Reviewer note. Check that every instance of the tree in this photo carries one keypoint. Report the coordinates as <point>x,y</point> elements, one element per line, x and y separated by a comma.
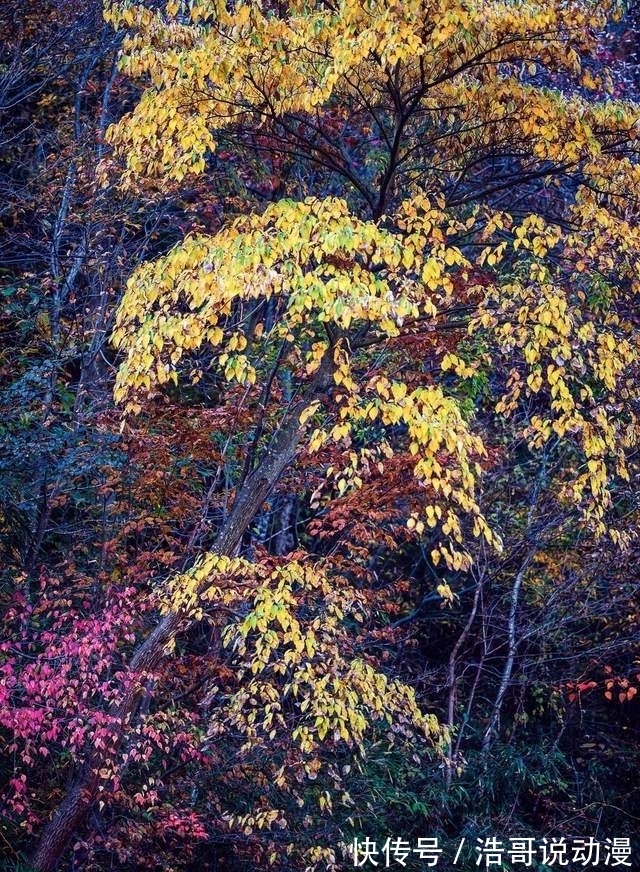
<point>383,312</point>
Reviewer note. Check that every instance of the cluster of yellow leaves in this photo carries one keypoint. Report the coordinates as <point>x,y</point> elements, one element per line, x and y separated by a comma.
<point>349,477</point>
<point>212,578</point>
<point>211,67</point>
<point>327,266</point>
<point>288,651</point>
<point>580,364</point>
<point>447,461</point>
<point>332,275</point>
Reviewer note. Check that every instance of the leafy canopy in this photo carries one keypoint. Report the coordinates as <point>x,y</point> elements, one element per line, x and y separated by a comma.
<point>386,102</point>
<point>393,132</point>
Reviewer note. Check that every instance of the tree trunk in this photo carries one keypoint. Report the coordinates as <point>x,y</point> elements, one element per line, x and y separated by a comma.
<point>73,810</point>
<point>68,817</point>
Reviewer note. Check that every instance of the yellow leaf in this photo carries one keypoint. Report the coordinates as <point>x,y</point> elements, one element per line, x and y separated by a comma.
<point>309,411</point>
<point>398,390</point>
